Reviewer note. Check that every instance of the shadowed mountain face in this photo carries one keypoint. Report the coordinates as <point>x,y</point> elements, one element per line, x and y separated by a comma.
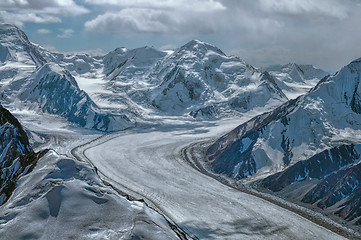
<point>318,166</point>
<point>338,174</point>
<point>232,153</point>
<point>16,156</point>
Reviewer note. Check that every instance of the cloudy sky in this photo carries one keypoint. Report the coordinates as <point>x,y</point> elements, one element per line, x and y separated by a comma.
<point>326,33</point>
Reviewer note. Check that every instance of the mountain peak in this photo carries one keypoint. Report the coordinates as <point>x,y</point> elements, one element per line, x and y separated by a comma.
<point>15,45</point>
<point>120,50</point>
<point>358,60</point>
<point>194,42</point>
<point>197,45</point>
<point>7,27</point>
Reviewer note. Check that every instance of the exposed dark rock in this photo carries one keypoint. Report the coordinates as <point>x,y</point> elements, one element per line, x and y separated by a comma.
<point>16,155</point>
<point>335,187</point>
<point>340,176</point>
<point>271,84</point>
<point>205,112</point>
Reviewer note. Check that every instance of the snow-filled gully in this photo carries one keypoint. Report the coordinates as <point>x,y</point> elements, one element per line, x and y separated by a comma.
<point>146,164</point>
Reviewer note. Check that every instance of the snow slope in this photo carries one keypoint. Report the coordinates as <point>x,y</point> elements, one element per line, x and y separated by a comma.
<point>65,199</point>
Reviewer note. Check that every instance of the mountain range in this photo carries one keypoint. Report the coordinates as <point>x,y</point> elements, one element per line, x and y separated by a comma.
<point>302,144</point>
<point>112,92</point>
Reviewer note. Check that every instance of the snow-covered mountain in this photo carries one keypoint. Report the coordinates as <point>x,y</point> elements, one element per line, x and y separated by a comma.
<point>314,136</point>
<point>17,158</point>
<point>57,92</point>
<point>295,79</point>
<point>321,119</point>
<point>75,63</point>
<point>16,47</point>
<point>127,79</point>
<point>131,63</point>
<point>198,78</point>
<point>27,81</point>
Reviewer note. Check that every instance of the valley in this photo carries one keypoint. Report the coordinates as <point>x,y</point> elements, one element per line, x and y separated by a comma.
<point>145,162</point>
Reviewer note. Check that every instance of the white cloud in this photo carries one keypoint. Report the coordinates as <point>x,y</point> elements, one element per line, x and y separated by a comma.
<point>58,7</point>
<point>321,32</point>
<point>65,33</point>
<point>141,20</point>
<point>332,8</point>
<point>157,16</point>
<point>19,18</point>
<point>12,3</point>
<point>38,11</point>
<point>190,5</point>
<point>50,48</point>
<point>44,31</point>
<point>168,47</point>
<point>91,52</point>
